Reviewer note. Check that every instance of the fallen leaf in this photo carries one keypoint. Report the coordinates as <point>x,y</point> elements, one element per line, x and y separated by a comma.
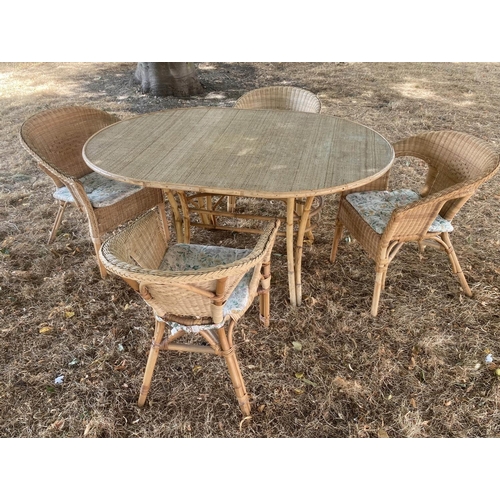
<point>69,314</point>
<point>309,382</point>
<point>312,300</point>
<point>58,424</point>
<point>297,346</point>
<point>299,375</point>
<point>382,433</point>
<point>87,429</point>
<point>45,329</point>
<point>243,421</point>
<point>413,403</point>
<point>121,366</point>
<point>261,408</point>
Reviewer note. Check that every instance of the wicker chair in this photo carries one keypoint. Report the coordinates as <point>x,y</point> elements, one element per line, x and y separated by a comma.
<point>279,97</point>
<point>275,97</point>
<point>194,290</point>
<point>382,221</point>
<point>55,138</point>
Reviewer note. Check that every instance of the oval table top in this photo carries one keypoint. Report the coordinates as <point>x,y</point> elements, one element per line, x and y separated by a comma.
<point>254,153</point>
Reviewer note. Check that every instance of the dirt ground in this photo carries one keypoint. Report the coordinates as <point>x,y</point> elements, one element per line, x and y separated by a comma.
<point>419,369</point>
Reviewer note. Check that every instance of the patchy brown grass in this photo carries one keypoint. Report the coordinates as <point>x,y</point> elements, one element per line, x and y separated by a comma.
<point>417,370</point>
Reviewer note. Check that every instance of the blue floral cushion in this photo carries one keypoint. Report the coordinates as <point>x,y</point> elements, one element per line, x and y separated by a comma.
<point>376,208</point>
<point>187,257</point>
<point>102,192</point>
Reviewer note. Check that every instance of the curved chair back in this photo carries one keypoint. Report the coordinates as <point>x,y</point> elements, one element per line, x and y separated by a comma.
<point>280,97</point>
<point>453,159</point>
<point>137,254</point>
<point>56,137</point>
<point>382,221</point>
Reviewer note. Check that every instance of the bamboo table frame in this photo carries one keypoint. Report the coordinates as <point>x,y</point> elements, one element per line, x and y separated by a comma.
<point>271,154</point>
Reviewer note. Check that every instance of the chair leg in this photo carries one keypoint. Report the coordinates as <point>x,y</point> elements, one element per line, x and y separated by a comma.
<point>234,370</point>
<point>456,265</point>
<point>384,275</point>
<point>97,246</point>
<point>150,366</point>
<point>57,222</point>
<point>336,239</point>
<point>264,299</point>
<point>379,286</point>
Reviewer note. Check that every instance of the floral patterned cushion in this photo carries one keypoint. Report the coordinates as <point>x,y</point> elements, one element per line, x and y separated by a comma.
<point>187,257</point>
<point>101,191</point>
<point>376,208</point>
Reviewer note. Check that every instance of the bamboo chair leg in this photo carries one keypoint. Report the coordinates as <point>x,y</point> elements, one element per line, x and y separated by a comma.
<point>150,366</point>
<point>234,369</point>
<point>339,227</point>
<point>57,222</point>
<point>264,299</point>
<point>457,269</point>
<point>376,293</point>
<point>379,286</point>
<point>97,246</point>
<point>384,276</point>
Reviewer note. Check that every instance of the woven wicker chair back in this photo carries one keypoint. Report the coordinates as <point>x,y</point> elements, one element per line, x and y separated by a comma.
<point>136,253</point>
<point>57,136</point>
<point>453,159</point>
<point>279,97</point>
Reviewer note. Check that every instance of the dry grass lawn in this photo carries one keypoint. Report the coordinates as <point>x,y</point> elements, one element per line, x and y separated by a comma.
<point>416,370</point>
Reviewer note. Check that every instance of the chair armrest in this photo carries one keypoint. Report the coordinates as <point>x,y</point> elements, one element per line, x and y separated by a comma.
<point>416,217</point>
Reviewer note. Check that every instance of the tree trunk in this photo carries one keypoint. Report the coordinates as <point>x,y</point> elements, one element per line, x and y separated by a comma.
<point>168,78</point>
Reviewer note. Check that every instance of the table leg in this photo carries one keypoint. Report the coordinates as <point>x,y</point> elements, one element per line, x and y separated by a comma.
<point>304,217</point>
<point>290,205</point>
<point>179,231</point>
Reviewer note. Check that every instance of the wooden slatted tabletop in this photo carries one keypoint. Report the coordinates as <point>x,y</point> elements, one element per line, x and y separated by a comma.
<point>254,153</point>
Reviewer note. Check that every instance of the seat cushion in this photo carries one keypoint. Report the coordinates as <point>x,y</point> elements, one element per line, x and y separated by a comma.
<point>376,208</point>
<point>187,257</point>
<point>102,192</point>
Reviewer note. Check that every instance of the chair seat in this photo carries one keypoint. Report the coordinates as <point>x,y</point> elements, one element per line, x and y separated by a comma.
<point>187,257</point>
<point>102,192</point>
<point>376,207</point>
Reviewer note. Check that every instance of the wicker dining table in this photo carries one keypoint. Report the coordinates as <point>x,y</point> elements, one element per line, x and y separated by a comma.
<point>271,154</point>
